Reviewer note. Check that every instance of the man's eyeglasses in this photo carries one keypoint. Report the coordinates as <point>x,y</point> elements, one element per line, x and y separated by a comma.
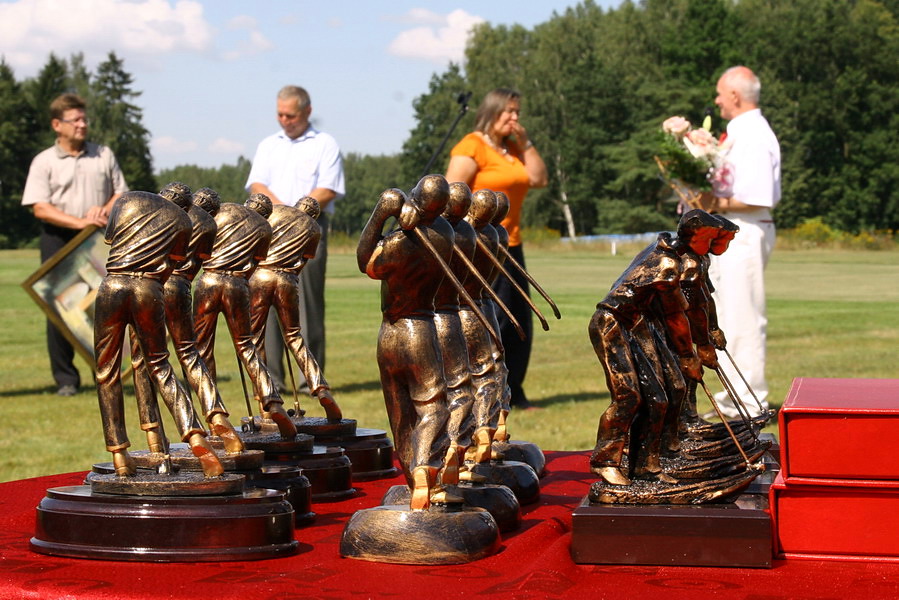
<point>84,120</point>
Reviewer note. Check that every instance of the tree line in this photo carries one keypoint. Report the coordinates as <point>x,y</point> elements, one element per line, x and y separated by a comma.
<point>596,85</point>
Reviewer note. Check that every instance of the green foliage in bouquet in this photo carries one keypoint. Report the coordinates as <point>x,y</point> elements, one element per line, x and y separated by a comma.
<point>680,164</point>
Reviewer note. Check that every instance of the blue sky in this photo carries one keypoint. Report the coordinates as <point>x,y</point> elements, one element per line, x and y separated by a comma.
<point>209,70</point>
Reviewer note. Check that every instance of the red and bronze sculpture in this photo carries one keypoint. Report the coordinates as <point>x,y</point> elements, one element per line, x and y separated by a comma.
<point>642,332</point>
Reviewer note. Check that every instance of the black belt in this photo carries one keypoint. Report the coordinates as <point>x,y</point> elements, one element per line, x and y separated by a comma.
<point>138,275</point>
<point>241,274</point>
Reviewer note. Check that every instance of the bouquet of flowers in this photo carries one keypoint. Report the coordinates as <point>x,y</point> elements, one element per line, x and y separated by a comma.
<point>693,157</point>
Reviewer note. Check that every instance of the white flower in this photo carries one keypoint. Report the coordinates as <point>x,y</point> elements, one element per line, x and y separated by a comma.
<point>676,126</point>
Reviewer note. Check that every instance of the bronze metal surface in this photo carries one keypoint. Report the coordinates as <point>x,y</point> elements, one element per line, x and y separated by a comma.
<point>428,537</point>
<point>177,484</point>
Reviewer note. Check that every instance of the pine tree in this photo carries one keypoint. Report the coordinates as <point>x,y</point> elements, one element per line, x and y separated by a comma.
<point>116,122</point>
<point>51,81</point>
<point>16,150</point>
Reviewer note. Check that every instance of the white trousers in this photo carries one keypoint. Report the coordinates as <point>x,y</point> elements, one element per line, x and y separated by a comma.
<point>738,277</point>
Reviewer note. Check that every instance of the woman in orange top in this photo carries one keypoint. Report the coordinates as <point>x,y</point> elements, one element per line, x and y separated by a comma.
<point>499,156</point>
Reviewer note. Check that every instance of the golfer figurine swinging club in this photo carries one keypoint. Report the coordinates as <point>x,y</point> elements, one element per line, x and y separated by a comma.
<point>411,262</point>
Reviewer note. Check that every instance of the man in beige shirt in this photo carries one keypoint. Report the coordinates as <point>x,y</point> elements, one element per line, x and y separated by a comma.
<point>70,186</point>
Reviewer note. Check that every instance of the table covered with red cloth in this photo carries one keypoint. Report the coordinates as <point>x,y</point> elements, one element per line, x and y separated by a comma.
<point>533,562</point>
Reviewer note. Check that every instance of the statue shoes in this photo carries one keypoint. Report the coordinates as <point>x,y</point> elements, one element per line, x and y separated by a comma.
<point>221,427</point>
<point>203,451</point>
<point>332,411</point>
<point>285,424</point>
<point>124,464</point>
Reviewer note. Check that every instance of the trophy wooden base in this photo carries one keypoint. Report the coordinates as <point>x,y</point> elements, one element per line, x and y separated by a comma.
<point>517,476</point>
<point>437,536</point>
<point>498,500</point>
<point>273,443</point>
<point>286,478</point>
<point>314,426</point>
<point>526,452</point>
<point>716,535</point>
<point>74,522</point>
<point>326,467</point>
<point>290,480</point>
<point>370,452</point>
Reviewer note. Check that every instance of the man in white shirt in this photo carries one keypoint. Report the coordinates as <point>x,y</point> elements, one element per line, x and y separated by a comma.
<point>300,161</point>
<point>70,186</point>
<point>738,274</point>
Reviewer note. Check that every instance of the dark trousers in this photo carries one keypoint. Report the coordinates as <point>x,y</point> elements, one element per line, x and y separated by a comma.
<point>518,351</point>
<point>61,351</point>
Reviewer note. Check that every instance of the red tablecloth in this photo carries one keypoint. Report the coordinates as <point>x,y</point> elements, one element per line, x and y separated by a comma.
<point>534,562</point>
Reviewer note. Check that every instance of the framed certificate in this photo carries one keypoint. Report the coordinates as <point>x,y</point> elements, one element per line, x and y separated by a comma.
<point>65,287</point>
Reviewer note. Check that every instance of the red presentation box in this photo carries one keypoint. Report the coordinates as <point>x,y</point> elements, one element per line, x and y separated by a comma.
<point>835,519</point>
<point>840,429</point>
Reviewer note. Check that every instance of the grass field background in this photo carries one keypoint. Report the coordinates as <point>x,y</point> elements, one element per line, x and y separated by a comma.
<point>832,313</point>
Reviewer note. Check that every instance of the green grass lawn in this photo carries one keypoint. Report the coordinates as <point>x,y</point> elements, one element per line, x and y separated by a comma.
<point>832,313</point>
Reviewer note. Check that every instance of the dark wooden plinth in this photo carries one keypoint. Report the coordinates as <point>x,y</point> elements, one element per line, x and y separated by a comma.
<point>326,467</point>
<point>714,535</point>
<point>314,426</point>
<point>498,500</point>
<point>73,522</point>
<point>286,478</point>
<point>517,476</point>
<point>370,452</point>
<point>290,480</point>
<point>526,452</point>
<point>438,536</point>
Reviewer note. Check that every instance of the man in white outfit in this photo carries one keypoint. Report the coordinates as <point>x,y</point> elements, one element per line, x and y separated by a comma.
<point>296,162</point>
<point>738,274</point>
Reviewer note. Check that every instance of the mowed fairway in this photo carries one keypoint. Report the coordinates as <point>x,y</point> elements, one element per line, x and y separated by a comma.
<point>831,314</point>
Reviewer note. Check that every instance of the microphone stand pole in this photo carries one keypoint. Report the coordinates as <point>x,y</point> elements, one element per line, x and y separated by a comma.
<point>462,99</point>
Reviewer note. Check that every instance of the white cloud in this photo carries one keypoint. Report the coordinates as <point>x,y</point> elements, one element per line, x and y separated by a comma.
<point>166,144</point>
<point>439,39</point>
<point>31,29</point>
<point>225,146</point>
<point>243,22</point>
<point>255,42</point>
<point>418,16</point>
